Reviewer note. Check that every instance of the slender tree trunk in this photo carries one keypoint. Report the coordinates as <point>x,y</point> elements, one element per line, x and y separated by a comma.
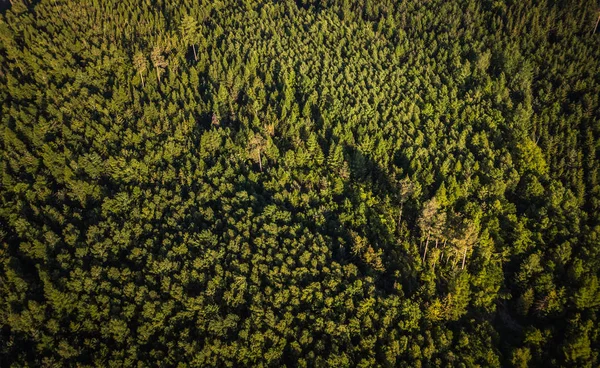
<point>259,161</point>
<point>435,260</point>
<point>464,257</point>
<point>195,55</point>
<point>598,21</point>
<point>142,76</point>
<point>426,245</point>
<point>158,75</point>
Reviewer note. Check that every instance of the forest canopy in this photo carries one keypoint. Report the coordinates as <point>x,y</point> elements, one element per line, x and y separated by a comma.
<point>299,183</point>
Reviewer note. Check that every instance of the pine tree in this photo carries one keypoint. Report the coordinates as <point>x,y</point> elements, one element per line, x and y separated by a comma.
<point>189,33</point>
<point>158,60</point>
<point>141,64</point>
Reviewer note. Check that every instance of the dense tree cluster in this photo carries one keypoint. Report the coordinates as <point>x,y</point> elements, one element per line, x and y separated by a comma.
<point>299,183</point>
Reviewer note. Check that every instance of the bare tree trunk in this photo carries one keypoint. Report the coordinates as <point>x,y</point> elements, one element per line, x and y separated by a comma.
<point>158,75</point>
<point>464,257</point>
<point>142,76</point>
<point>426,245</point>
<point>195,55</point>
<point>436,258</point>
<point>598,21</point>
<point>259,161</point>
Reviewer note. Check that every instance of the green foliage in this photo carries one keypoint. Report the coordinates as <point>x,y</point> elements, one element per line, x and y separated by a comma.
<point>304,183</point>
